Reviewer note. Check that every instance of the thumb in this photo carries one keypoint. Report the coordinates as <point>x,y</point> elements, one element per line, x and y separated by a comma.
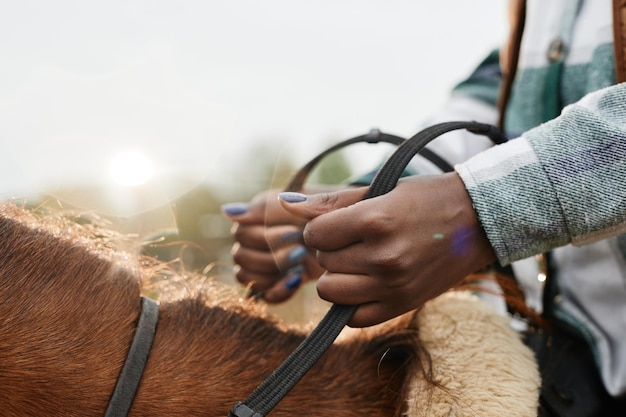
<point>311,206</point>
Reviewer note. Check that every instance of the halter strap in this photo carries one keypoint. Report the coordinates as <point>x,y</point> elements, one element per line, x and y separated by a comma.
<point>130,376</point>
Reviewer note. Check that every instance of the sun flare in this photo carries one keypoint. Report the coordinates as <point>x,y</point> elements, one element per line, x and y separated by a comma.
<point>131,168</point>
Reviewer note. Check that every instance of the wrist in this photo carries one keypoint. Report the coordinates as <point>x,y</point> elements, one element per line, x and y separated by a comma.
<point>467,220</point>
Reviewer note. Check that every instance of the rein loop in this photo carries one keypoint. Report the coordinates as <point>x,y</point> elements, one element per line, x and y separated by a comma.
<point>271,391</point>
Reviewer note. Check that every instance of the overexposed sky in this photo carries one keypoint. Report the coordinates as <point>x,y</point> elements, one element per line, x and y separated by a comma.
<point>190,84</point>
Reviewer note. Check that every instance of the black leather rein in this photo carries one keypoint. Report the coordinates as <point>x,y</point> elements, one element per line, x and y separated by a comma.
<point>267,395</point>
<point>278,384</point>
<point>130,376</point>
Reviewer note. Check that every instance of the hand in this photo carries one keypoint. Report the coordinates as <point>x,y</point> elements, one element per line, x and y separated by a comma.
<point>269,250</point>
<point>392,253</point>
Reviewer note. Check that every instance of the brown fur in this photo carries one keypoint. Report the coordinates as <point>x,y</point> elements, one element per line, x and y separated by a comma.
<point>69,303</point>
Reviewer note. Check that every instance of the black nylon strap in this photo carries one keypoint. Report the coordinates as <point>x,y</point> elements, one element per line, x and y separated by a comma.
<point>388,175</point>
<point>132,371</point>
<point>374,136</point>
<point>267,395</point>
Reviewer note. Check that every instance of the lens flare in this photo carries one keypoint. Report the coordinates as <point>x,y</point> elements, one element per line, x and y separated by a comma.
<point>131,168</point>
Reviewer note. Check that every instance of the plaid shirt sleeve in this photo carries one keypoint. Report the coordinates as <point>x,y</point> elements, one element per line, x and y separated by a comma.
<point>563,181</point>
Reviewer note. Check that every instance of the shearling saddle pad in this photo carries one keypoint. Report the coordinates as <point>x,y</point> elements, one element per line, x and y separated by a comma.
<point>480,364</point>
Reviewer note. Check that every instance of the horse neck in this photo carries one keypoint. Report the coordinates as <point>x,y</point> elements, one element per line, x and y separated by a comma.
<point>68,318</point>
<point>206,360</point>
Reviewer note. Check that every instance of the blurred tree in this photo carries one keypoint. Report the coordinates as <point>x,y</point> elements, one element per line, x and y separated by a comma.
<point>334,169</point>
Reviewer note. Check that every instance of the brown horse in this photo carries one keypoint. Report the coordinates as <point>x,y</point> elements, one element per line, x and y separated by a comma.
<point>70,301</point>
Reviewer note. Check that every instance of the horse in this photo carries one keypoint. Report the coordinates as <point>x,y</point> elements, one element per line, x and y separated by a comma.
<point>70,294</point>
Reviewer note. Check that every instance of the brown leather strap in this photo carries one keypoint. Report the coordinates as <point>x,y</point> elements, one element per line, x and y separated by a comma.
<point>619,39</point>
<point>509,55</point>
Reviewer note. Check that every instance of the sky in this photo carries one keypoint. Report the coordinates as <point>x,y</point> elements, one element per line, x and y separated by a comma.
<point>183,89</point>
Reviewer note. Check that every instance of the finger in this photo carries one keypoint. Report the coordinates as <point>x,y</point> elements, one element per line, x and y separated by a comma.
<point>314,205</point>
<point>263,209</point>
<point>245,213</point>
<point>254,260</point>
<point>284,288</point>
<point>257,282</point>
<point>361,290</point>
<point>342,227</point>
<point>373,313</point>
<point>273,261</point>
<point>263,238</point>
<point>353,259</point>
<point>251,236</point>
<point>348,289</point>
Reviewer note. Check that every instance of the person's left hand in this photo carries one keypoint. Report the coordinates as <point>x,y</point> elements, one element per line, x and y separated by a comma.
<point>268,250</point>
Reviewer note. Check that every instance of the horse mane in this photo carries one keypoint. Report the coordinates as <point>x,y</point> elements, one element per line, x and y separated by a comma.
<point>54,277</point>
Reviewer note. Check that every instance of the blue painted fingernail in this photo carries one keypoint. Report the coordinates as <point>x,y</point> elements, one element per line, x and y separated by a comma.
<point>293,282</point>
<point>297,254</point>
<point>291,237</point>
<point>291,197</point>
<point>296,269</point>
<point>235,209</point>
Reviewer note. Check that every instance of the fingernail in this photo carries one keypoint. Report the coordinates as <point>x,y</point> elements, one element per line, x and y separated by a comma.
<point>296,269</point>
<point>297,254</point>
<point>235,209</point>
<point>293,282</point>
<point>291,197</point>
<point>291,237</point>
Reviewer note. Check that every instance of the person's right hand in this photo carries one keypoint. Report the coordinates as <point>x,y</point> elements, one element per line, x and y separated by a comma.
<point>390,254</point>
<point>269,251</point>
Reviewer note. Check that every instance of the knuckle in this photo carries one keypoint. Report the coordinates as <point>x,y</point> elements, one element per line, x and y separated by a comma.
<point>328,200</point>
<point>377,223</point>
<point>391,259</point>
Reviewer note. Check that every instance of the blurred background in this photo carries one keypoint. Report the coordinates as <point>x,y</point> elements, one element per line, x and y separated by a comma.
<point>154,113</point>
